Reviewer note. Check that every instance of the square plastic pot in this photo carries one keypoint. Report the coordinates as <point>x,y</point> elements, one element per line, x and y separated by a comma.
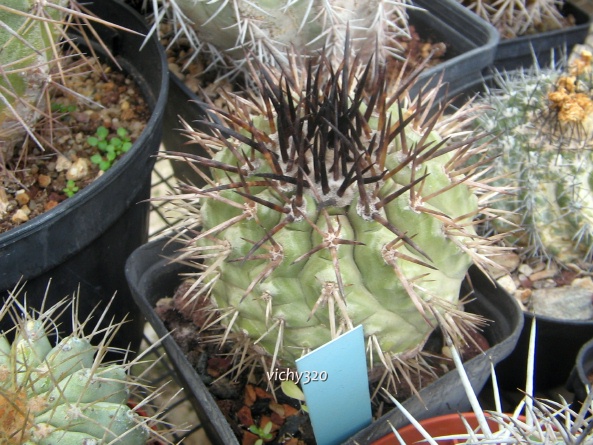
<point>152,275</point>
<point>525,50</point>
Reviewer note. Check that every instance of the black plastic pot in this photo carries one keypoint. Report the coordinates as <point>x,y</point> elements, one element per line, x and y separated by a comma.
<point>152,276</point>
<point>82,243</point>
<point>471,43</point>
<point>579,381</point>
<point>520,51</point>
<point>557,345</point>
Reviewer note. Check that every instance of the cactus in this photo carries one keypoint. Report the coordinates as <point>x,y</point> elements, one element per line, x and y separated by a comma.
<point>544,120</point>
<point>514,18</point>
<point>228,30</point>
<point>332,204</point>
<point>59,391</point>
<point>35,52</point>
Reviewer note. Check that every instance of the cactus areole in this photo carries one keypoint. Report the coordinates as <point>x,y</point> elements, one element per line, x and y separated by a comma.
<point>330,205</point>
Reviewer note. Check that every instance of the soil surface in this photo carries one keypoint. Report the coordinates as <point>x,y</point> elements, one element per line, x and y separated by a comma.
<point>247,400</point>
<point>545,288</point>
<point>37,180</point>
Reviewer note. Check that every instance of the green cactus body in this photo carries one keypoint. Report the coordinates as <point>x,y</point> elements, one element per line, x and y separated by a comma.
<point>28,32</point>
<point>300,243</point>
<point>544,120</point>
<point>269,29</point>
<point>60,394</point>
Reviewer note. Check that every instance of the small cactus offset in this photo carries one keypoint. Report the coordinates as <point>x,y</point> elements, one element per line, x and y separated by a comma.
<point>59,391</point>
<point>515,18</point>
<point>333,204</point>
<point>544,119</point>
<point>266,30</point>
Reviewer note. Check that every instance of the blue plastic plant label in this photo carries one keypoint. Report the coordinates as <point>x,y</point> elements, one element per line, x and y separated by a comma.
<point>335,382</point>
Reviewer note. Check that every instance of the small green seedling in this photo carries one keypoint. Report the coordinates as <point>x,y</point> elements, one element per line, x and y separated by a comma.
<point>70,189</point>
<point>292,390</point>
<point>61,108</point>
<point>111,148</point>
<point>264,433</point>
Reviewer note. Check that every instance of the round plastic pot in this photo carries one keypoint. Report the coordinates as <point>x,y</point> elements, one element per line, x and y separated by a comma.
<point>81,245</point>
<point>520,51</point>
<point>557,346</point>
<point>446,425</point>
<point>152,276</point>
<point>471,43</point>
<point>580,381</point>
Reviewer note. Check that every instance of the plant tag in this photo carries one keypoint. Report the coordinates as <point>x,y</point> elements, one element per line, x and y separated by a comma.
<point>335,382</point>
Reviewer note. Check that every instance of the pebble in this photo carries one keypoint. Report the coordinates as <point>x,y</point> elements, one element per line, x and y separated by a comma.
<point>566,302</point>
<point>78,170</point>
<point>507,283</point>
<point>63,163</point>
<point>3,201</point>
<point>21,215</point>
<point>22,197</point>
<point>44,180</point>
<point>508,262</point>
<point>543,274</point>
<point>525,269</point>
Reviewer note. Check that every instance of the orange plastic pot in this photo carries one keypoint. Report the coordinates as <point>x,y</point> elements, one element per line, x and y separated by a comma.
<point>445,425</point>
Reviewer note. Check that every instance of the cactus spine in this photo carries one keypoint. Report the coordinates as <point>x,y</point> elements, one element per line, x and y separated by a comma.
<point>333,204</point>
<point>545,122</point>
<point>59,391</point>
<point>233,31</point>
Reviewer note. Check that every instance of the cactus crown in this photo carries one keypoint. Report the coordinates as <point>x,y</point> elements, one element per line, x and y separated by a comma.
<point>60,390</point>
<point>333,202</point>
<point>232,32</point>
<point>516,18</point>
<point>545,122</point>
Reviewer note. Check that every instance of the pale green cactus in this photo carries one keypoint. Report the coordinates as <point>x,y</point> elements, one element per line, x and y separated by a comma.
<point>29,34</point>
<point>59,391</point>
<point>544,120</point>
<point>515,18</point>
<point>35,55</point>
<point>233,31</point>
<point>328,208</point>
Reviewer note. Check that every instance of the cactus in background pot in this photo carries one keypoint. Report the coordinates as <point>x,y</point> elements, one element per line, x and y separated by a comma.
<point>59,391</point>
<point>514,18</point>
<point>333,203</point>
<point>545,121</point>
<point>35,54</point>
<point>267,30</point>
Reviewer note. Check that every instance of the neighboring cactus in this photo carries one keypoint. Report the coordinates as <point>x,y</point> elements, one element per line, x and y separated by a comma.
<point>267,30</point>
<point>544,119</point>
<point>334,204</point>
<point>59,391</point>
<point>33,57</point>
<point>514,18</point>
